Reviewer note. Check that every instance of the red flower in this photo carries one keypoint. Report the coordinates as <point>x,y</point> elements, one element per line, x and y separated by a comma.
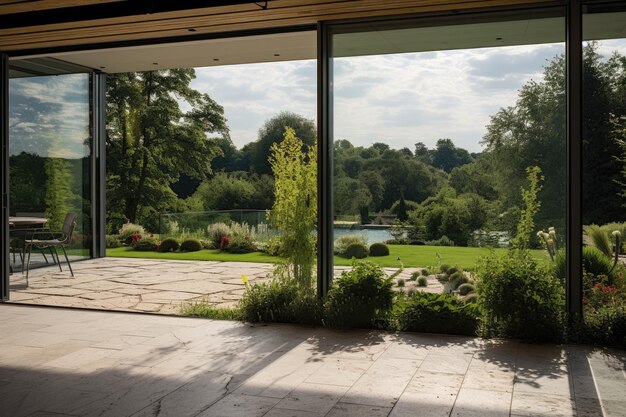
<point>224,242</point>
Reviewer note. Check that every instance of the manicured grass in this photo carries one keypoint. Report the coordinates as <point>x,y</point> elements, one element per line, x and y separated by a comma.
<point>410,256</point>
<point>203,255</point>
<point>208,311</point>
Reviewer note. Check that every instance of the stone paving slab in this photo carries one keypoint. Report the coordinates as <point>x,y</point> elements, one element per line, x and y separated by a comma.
<point>83,363</point>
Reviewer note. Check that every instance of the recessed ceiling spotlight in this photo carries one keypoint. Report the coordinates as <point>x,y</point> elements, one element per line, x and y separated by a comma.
<point>102,67</point>
<point>191,29</point>
<point>216,59</point>
<point>276,54</point>
<point>155,63</point>
<point>498,38</point>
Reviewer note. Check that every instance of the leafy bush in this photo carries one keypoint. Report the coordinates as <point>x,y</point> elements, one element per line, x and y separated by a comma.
<point>452,270</point>
<point>342,242</point>
<point>113,241</point>
<point>129,229</point>
<point>415,275</point>
<point>216,231</point>
<point>422,282</point>
<point>436,313</point>
<point>456,279</point>
<point>401,282</point>
<point>280,301</point>
<point>519,297</point>
<point>442,241</point>
<point>379,249</point>
<point>597,263</point>
<point>169,245</point>
<point>355,250</point>
<point>359,296</point>
<point>605,325</point>
<point>208,244</point>
<point>425,272</point>
<point>145,244</point>
<point>241,239</point>
<point>191,245</point>
<point>444,268</point>
<point>465,289</point>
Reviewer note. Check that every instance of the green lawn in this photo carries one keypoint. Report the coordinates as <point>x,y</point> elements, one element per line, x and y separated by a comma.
<point>410,256</point>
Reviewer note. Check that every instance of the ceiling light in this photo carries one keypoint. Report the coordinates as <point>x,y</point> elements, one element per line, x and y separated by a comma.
<point>498,38</point>
<point>216,59</point>
<point>276,54</point>
<point>155,63</point>
<point>102,67</point>
<point>191,29</point>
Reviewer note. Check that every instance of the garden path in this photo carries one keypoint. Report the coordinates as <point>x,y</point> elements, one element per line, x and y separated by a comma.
<point>149,285</point>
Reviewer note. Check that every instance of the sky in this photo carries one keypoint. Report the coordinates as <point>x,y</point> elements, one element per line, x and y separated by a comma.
<point>398,99</point>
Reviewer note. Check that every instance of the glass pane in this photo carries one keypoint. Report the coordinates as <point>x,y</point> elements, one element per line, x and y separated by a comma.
<point>49,143</point>
<point>604,157</point>
<point>434,137</point>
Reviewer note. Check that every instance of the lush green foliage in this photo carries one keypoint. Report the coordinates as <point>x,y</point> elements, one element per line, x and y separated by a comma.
<point>358,296</point>
<point>355,250</point>
<point>169,245</point>
<point>599,237</point>
<point>519,297</point>
<point>531,205</point>
<point>422,282</point>
<point>436,313</point>
<point>294,212</point>
<point>604,325</point>
<point>465,288</point>
<point>191,245</point>
<point>113,241</point>
<point>280,301</point>
<point>596,262</point>
<point>208,311</point>
<point>128,230</point>
<point>145,243</point>
<point>379,249</point>
<point>342,243</point>
<point>217,231</point>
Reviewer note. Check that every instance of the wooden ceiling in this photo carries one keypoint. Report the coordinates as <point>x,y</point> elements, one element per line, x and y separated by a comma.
<point>38,24</point>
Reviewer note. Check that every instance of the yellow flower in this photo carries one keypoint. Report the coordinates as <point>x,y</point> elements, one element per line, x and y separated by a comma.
<point>244,279</point>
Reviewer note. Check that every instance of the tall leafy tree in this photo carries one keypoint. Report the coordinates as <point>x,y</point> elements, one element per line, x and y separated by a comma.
<point>151,142</point>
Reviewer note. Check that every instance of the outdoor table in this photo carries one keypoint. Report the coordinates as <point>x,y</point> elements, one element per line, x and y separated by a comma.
<point>21,228</point>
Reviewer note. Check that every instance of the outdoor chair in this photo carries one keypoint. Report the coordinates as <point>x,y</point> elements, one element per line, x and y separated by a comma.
<point>52,240</point>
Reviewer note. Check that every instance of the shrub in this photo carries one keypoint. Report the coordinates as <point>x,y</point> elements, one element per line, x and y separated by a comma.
<point>457,279</point>
<point>452,270</point>
<point>359,296</point>
<point>216,231</point>
<point>169,245</point>
<point>401,282</point>
<point>605,325</point>
<point>465,289</point>
<point>355,250</point>
<point>444,268</point>
<point>599,238</point>
<point>379,249</point>
<point>519,297</point>
<point>113,241</point>
<point>425,272</point>
<point>280,301</point>
<point>436,313</point>
<point>415,275</point>
<point>597,263</point>
<point>422,282</point>
<point>241,238</point>
<point>208,244</point>
<point>145,244</point>
<point>191,245</point>
<point>442,241</point>
<point>129,229</point>
<point>342,242</point>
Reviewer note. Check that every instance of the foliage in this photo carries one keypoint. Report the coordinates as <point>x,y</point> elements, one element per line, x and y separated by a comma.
<point>216,231</point>
<point>465,288</point>
<point>235,190</point>
<point>455,280</point>
<point>280,301</point>
<point>59,194</point>
<point>342,242</point>
<point>190,245</point>
<point>425,272</point>
<point>442,241</point>
<point>129,229</point>
<point>169,245</point>
<point>209,311</point>
<point>358,296</point>
<point>355,250</point>
<point>443,268</point>
<point>113,241</point>
<point>422,282</point>
<point>151,142</point>
<point>401,282</point>
<point>518,297</point>
<point>378,249</point>
<point>241,238</point>
<point>596,262</point>
<point>599,237</point>
<point>526,224</point>
<point>415,275</point>
<point>605,325</point>
<point>436,313</point>
<point>294,212</point>
<point>145,243</point>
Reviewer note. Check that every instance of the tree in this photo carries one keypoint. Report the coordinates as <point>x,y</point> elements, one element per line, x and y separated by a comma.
<point>256,154</point>
<point>294,212</point>
<point>446,156</point>
<point>151,142</point>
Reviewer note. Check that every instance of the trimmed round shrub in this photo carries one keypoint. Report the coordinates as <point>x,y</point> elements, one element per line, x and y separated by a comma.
<point>401,282</point>
<point>191,245</point>
<point>169,245</point>
<point>422,282</point>
<point>415,275</point>
<point>444,268</point>
<point>452,270</point>
<point>465,289</point>
<point>457,279</point>
<point>342,242</point>
<point>425,272</point>
<point>357,297</point>
<point>356,250</point>
<point>379,249</point>
<point>145,244</point>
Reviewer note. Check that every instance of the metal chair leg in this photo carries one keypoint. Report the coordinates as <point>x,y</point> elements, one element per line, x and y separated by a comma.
<point>58,261</point>
<point>45,258</point>
<point>67,260</point>
<point>30,248</point>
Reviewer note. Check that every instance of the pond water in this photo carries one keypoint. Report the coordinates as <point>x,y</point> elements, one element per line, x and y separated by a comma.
<point>373,235</point>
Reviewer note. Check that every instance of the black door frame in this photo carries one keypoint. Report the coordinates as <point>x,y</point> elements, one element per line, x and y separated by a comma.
<point>4,176</point>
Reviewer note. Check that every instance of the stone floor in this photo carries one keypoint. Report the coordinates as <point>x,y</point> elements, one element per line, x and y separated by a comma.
<point>68,362</point>
<point>149,285</point>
